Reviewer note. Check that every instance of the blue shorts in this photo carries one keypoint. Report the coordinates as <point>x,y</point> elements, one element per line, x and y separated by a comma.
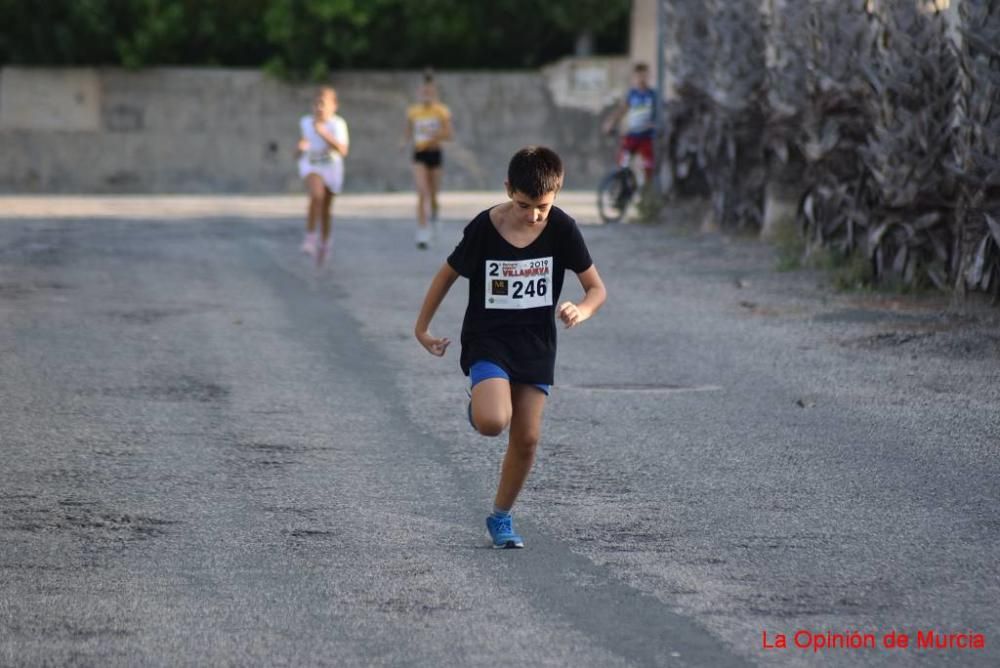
<point>482,370</point>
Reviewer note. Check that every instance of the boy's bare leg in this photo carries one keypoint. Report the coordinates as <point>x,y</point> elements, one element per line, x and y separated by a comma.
<point>491,406</point>
<point>528,403</point>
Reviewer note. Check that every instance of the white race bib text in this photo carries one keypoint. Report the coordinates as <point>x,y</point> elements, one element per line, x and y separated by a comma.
<point>519,284</point>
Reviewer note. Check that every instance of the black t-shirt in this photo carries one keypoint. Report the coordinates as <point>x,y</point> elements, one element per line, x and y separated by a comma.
<point>514,292</point>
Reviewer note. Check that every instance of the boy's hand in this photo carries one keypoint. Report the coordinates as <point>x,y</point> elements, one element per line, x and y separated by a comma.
<point>570,314</point>
<point>303,145</point>
<point>434,346</point>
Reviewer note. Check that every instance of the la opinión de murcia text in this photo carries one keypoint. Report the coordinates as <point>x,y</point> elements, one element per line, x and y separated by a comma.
<point>823,641</point>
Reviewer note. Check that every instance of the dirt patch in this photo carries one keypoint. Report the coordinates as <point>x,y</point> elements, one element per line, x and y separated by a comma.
<point>21,290</point>
<point>146,316</point>
<point>181,389</point>
<point>90,520</point>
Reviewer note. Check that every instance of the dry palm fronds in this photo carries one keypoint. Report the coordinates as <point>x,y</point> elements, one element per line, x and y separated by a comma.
<point>737,172</point>
<point>977,150</point>
<point>900,145</point>
<point>836,41</point>
<point>914,79</point>
<point>717,64</point>
<point>787,74</point>
<point>688,57</point>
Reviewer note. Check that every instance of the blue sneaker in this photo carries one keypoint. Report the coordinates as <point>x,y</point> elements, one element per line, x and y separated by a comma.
<point>502,533</point>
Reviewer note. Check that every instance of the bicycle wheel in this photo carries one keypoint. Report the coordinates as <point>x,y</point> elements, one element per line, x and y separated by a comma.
<point>614,194</point>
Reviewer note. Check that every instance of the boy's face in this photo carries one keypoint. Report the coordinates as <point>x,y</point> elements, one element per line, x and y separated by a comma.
<point>529,210</point>
<point>641,78</point>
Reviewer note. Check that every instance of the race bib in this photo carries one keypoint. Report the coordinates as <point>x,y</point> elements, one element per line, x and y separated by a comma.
<point>320,158</point>
<point>519,284</point>
<point>425,129</point>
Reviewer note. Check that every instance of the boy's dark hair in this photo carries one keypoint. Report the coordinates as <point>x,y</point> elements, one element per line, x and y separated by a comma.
<point>534,171</point>
<point>640,67</point>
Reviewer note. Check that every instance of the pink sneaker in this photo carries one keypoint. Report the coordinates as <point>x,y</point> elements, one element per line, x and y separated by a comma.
<point>309,243</point>
<point>324,251</point>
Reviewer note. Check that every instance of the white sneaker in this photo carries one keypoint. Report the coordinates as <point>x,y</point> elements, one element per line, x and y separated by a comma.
<point>310,243</point>
<point>423,237</point>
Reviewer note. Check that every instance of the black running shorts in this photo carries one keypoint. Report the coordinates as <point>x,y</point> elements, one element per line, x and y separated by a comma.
<point>431,158</point>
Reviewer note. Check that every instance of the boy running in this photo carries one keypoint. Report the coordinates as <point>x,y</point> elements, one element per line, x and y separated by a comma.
<point>514,255</point>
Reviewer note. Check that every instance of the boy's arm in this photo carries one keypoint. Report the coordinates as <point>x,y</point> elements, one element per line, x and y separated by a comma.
<point>615,117</point>
<point>594,295</point>
<point>440,285</point>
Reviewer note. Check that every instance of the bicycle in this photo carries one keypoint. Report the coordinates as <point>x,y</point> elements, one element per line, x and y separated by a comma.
<point>617,190</point>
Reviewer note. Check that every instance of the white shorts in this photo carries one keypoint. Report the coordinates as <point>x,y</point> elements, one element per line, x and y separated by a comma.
<point>331,172</point>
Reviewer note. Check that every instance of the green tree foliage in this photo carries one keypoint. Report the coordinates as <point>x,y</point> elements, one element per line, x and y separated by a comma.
<point>132,33</point>
<point>310,34</point>
<point>306,38</point>
<point>56,33</point>
<point>583,18</point>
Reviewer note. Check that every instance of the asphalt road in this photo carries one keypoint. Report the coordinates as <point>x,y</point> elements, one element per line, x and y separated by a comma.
<point>213,454</point>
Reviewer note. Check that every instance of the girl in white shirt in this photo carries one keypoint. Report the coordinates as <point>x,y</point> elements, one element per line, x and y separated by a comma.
<point>323,145</point>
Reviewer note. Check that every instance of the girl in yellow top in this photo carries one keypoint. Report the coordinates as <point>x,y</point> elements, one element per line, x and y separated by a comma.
<point>428,123</point>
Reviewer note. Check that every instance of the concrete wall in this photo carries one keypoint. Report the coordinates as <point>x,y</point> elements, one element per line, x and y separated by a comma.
<point>224,130</point>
